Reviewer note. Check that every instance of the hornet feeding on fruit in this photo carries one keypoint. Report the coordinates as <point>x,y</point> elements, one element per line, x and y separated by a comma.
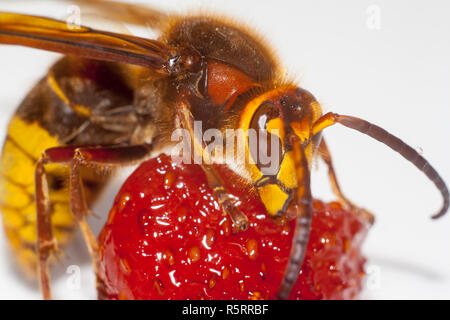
<point>115,99</point>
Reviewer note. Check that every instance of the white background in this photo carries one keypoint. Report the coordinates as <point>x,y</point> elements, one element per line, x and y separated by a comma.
<point>397,76</point>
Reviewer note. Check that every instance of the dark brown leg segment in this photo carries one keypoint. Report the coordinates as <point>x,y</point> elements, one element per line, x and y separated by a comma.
<point>75,158</point>
<point>225,198</point>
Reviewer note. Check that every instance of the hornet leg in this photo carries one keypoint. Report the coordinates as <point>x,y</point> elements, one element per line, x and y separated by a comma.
<point>75,158</point>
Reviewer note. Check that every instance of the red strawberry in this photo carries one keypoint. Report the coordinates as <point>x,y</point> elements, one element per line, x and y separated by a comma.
<point>167,238</point>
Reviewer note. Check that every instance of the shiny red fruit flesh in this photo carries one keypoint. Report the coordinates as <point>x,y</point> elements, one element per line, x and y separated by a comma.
<point>167,238</point>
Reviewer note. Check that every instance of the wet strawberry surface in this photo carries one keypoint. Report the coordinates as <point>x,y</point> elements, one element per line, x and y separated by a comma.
<point>167,238</point>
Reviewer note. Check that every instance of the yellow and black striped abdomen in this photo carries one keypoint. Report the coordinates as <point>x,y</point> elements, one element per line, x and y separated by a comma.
<point>23,146</point>
<point>56,113</point>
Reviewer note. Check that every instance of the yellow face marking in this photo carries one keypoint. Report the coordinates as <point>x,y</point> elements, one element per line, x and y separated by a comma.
<point>255,173</point>
<point>253,105</point>
<point>286,174</point>
<point>289,175</point>
<point>246,118</point>
<point>276,126</point>
<point>273,198</point>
